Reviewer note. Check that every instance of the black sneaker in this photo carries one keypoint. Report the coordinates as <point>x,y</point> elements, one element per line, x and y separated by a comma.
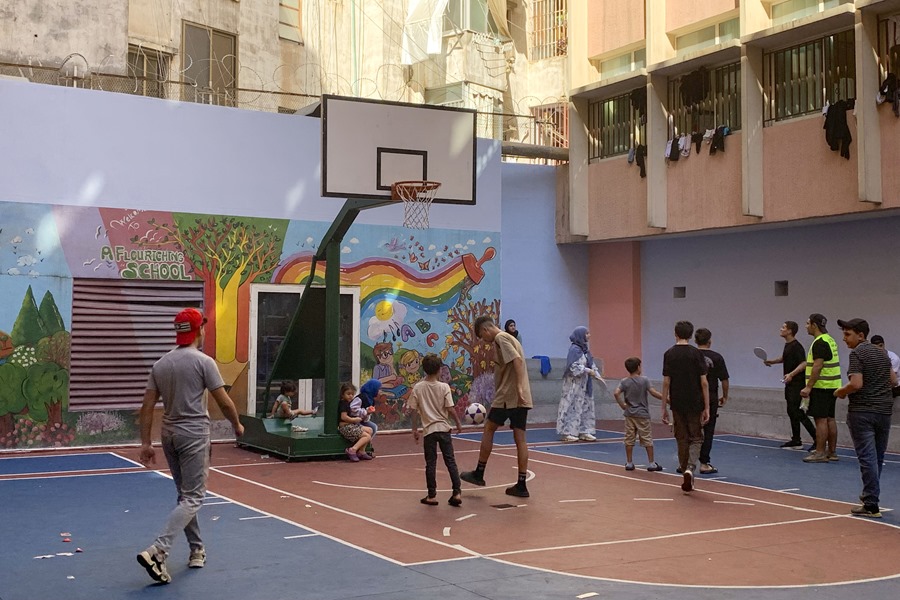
<point>792,444</point>
<point>156,566</point>
<point>517,490</point>
<point>812,447</point>
<point>871,512</point>
<point>472,477</point>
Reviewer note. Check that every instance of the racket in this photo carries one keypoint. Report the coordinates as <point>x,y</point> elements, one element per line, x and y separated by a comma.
<point>760,353</point>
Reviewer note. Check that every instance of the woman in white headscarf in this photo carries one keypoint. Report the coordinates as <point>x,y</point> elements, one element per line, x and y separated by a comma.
<point>576,420</point>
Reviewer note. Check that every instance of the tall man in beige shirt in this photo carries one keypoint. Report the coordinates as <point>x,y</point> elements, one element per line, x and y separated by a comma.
<point>512,401</point>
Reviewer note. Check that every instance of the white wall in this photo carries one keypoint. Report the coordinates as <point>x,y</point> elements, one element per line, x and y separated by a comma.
<point>90,148</point>
<point>842,270</point>
<point>543,286</point>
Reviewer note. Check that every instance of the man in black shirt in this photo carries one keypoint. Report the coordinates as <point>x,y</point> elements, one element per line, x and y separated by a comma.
<point>716,371</point>
<point>793,360</point>
<point>686,389</point>
<point>869,409</point>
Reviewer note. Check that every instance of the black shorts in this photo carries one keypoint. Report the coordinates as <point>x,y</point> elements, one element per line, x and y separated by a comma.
<point>821,403</point>
<point>518,417</point>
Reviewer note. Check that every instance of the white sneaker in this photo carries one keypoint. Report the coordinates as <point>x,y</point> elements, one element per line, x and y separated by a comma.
<point>586,437</point>
<point>568,438</point>
<point>197,559</point>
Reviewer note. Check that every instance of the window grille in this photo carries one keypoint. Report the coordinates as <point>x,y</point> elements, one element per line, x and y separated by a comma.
<point>209,66</point>
<point>614,126</point>
<point>549,31</point>
<point>798,80</point>
<point>722,105</point>
<point>551,124</point>
<point>150,70</point>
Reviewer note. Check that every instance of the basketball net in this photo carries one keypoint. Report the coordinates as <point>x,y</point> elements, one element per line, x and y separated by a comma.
<point>417,197</point>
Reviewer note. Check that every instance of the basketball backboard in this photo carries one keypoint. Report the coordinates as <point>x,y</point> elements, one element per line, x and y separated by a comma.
<point>369,144</point>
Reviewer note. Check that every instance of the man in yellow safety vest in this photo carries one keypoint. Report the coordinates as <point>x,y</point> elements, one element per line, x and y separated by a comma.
<point>823,377</point>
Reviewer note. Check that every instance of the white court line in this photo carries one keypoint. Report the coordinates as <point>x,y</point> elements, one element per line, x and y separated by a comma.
<point>664,537</point>
<point>712,478</point>
<point>582,500</point>
<point>847,456</point>
<point>297,537</point>
<point>656,499</point>
<point>446,532</point>
<point>254,518</point>
<point>469,516</point>
<point>529,477</point>
<point>347,513</point>
<point>728,502</point>
<point>789,490</point>
<point>587,595</point>
<point>214,503</point>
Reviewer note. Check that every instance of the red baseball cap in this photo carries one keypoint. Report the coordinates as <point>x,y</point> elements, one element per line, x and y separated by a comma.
<point>187,325</point>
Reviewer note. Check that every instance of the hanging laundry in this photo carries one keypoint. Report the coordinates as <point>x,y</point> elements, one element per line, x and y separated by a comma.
<point>684,145</point>
<point>890,92</point>
<point>837,132</point>
<point>694,87</point>
<point>639,153</point>
<point>697,140</point>
<point>718,140</point>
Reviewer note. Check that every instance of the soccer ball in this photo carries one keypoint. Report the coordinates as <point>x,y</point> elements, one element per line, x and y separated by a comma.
<point>475,414</point>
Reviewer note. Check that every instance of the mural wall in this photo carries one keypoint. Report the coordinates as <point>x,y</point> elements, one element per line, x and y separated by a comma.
<point>420,292</point>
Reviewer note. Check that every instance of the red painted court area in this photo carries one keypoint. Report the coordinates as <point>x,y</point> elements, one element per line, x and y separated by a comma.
<point>584,518</point>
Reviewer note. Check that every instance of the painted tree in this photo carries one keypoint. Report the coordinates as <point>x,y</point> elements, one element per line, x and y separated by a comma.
<point>29,326</point>
<point>50,317</point>
<point>227,253</point>
<point>12,398</point>
<point>46,391</point>
<point>462,337</point>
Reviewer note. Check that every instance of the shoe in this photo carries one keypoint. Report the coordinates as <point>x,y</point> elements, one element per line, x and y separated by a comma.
<point>679,470</point>
<point>517,490</point>
<point>792,444</point>
<point>351,454</point>
<point>472,477</point>
<point>156,566</point>
<point>363,456</point>
<point>833,457</point>
<point>568,438</point>
<point>454,501</point>
<point>429,500</point>
<point>871,512</point>
<point>688,485</point>
<point>587,437</point>
<point>653,467</point>
<point>629,466</point>
<point>815,457</point>
<point>299,429</point>
<point>708,469</point>
<point>197,559</point>
<point>811,447</point>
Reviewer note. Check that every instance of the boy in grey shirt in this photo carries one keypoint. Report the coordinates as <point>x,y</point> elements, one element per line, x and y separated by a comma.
<point>631,395</point>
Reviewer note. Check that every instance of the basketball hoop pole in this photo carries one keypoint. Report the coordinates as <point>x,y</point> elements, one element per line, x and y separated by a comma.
<point>330,251</point>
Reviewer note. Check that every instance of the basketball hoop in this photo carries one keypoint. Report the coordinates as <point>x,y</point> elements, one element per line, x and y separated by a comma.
<point>417,197</point>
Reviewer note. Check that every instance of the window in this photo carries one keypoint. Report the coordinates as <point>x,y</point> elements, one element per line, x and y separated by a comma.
<point>289,19</point>
<point>708,36</point>
<point>469,15</point>
<point>798,80</point>
<point>209,64</point>
<point>150,69</point>
<point>623,63</point>
<point>616,124</point>
<point>551,125</point>
<point>791,10</point>
<point>722,105</point>
<point>549,35</point>
<point>120,327</point>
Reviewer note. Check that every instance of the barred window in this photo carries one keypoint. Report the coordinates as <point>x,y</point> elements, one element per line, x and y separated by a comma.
<point>549,34</point>
<point>150,70</point>
<point>798,80</point>
<point>551,124</point>
<point>721,106</point>
<point>209,66</point>
<point>614,126</point>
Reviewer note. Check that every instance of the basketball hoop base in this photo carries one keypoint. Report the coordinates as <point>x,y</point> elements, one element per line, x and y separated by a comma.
<point>416,196</point>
